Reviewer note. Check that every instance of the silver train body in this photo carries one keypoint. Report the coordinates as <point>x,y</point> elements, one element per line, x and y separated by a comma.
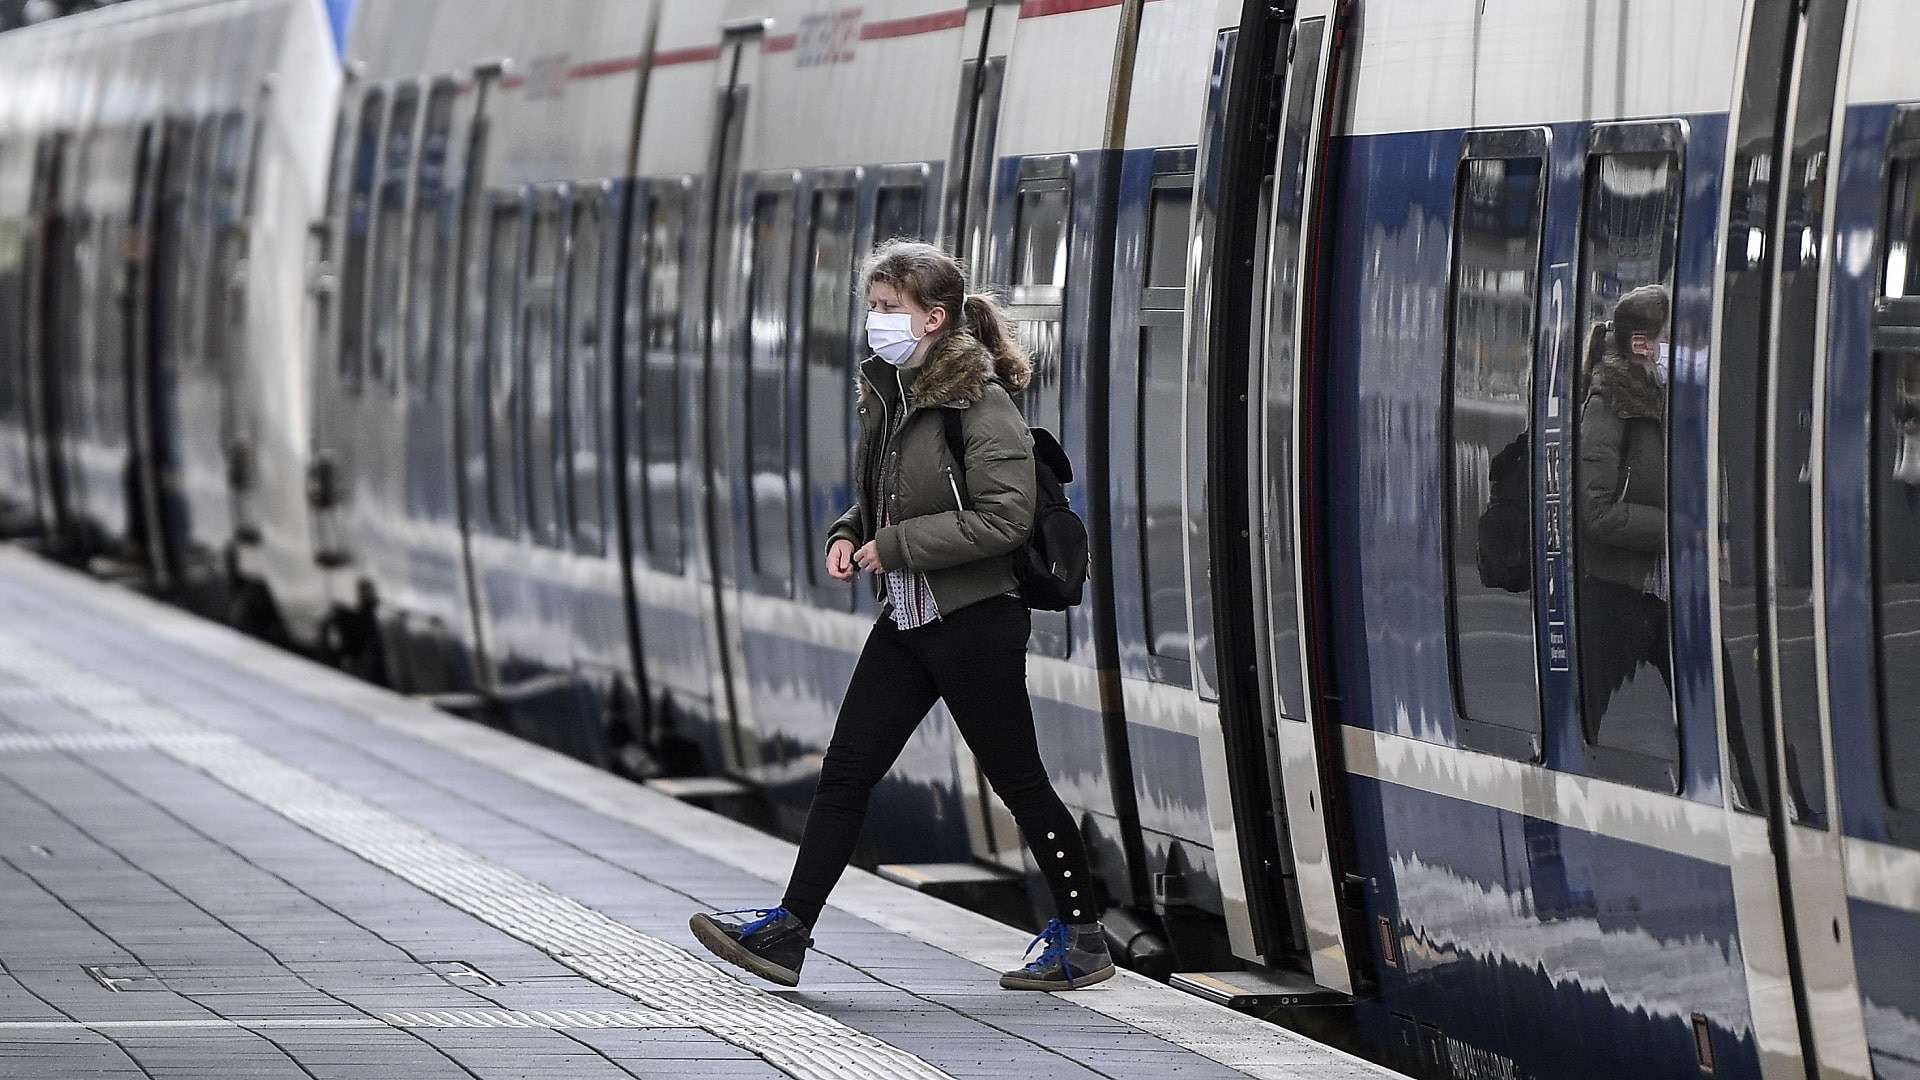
<point>503,353</point>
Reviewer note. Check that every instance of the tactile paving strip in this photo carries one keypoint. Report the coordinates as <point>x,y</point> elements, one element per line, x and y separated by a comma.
<point>685,991</point>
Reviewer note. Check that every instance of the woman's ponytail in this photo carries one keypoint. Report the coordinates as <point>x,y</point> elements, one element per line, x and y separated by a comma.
<point>988,323</point>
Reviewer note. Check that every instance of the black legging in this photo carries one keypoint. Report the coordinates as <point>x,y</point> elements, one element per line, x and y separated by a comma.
<point>976,660</point>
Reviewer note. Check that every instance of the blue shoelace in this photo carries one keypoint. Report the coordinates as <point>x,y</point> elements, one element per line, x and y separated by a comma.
<point>1056,937</point>
<point>767,917</point>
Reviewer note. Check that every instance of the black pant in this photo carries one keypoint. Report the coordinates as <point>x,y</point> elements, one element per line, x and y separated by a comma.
<point>976,660</point>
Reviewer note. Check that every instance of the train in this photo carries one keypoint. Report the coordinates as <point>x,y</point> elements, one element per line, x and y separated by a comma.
<point>503,353</point>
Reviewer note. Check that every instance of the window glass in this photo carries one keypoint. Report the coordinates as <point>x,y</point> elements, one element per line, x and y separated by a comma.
<point>654,320</point>
<point>766,434</point>
<point>353,271</point>
<point>389,238</point>
<point>503,280</point>
<point>1896,570</point>
<point>1630,229</point>
<point>584,381</point>
<point>541,356</point>
<point>899,212</point>
<point>1900,274</point>
<point>1040,238</point>
<point>431,237</point>
<point>1163,560</point>
<point>1498,218</point>
<point>830,359</point>
<point>1042,213</point>
<point>193,277</point>
<point>225,308</point>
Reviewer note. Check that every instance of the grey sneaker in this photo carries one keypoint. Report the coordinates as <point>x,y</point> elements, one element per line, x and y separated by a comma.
<point>1075,956</point>
<point>773,945</point>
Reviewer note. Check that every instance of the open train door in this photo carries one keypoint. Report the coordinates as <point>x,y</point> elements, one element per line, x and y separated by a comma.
<point>1254,452</point>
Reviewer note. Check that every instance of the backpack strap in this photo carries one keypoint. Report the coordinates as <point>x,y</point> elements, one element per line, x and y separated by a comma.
<point>957,446</point>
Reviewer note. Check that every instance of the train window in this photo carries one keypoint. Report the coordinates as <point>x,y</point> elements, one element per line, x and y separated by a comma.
<point>225,307</point>
<point>503,280</point>
<point>1630,227</point>
<point>195,266</point>
<point>653,317</point>
<point>1896,570</point>
<point>1895,472</point>
<point>899,212</point>
<point>389,239</point>
<point>353,271</point>
<point>541,354</point>
<point>1900,268</point>
<point>1042,227</point>
<point>1163,560</point>
<point>830,359</point>
<point>769,489</point>
<point>584,383</point>
<point>430,240</point>
<point>1498,221</point>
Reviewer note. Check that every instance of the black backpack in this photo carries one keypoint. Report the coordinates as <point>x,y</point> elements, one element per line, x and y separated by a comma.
<point>1504,537</point>
<point>1051,566</point>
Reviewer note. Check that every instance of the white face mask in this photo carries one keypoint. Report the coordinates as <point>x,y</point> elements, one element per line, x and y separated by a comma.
<point>1662,363</point>
<point>891,336</point>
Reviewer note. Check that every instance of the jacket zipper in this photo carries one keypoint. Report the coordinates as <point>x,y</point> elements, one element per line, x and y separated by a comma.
<point>952,483</point>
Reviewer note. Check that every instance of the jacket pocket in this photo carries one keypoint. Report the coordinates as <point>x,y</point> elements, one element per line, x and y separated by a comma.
<point>958,503</point>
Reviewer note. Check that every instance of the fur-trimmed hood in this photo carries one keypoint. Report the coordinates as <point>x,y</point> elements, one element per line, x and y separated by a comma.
<point>1629,388</point>
<point>958,369</point>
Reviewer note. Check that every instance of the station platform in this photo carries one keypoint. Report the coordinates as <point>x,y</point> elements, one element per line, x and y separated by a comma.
<point>220,860</point>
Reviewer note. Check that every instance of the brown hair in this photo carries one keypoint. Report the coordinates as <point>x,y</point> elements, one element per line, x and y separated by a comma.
<point>1646,310</point>
<point>933,279</point>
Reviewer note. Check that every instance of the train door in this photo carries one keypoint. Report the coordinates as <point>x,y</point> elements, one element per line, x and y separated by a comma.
<point>967,229</point>
<point>1789,842</point>
<point>729,236</point>
<point>47,266</point>
<point>1253,501</point>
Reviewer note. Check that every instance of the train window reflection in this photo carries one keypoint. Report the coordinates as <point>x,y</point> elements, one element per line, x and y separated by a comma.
<point>1900,277</point>
<point>503,280</point>
<point>583,376</point>
<point>654,315</point>
<point>353,273</point>
<point>431,236</point>
<point>769,489</point>
<point>1042,223</point>
<point>542,354</point>
<point>1163,561</point>
<point>389,238</point>
<point>1896,570</point>
<point>1630,231</point>
<point>1495,308</point>
<point>899,212</point>
<point>829,369</point>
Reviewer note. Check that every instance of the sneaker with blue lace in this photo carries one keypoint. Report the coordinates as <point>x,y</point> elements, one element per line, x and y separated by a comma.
<point>770,942</point>
<point>1075,956</point>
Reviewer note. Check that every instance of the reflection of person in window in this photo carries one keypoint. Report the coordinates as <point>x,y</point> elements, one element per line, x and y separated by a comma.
<point>1622,492</point>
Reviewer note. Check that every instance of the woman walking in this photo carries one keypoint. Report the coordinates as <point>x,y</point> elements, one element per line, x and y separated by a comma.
<point>952,626</point>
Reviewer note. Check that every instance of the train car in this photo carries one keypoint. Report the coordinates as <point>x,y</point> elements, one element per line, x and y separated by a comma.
<point>1366,715</point>
<point>158,168</point>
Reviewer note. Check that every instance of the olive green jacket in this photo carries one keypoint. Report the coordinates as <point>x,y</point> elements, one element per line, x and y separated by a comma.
<point>1622,477</point>
<point>963,546</point>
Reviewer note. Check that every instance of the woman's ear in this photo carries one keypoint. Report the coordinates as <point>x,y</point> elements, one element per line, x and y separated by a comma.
<point>936,318</point>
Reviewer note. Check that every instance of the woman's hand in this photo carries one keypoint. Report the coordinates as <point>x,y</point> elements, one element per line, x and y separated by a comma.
<point>868,557</point>
<point>840,560</point>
